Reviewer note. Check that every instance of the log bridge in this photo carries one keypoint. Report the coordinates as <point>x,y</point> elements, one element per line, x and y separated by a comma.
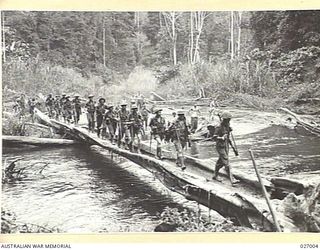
<point>244,204</point>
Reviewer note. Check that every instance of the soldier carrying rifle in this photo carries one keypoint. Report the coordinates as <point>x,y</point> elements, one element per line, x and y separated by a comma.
<point>77,108</point>
<point>91,108</point>
<point>123,125</point>
<point>179,135</point>
<point>111,121</point>
<point>136,128</point>
<point>100,113</point>
<point>222,137</point>
<point>158,127</point>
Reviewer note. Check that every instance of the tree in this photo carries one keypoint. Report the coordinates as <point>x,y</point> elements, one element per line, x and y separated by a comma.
<point>170,20</point>
<point>196,27</point>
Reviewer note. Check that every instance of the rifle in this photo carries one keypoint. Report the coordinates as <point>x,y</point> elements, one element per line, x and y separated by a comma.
<point>233,145</point>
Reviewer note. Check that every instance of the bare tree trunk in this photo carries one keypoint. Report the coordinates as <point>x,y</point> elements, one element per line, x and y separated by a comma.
<point>239,33</point>
<point>191,39</point>
<point>104,43</point>
<point>231,35</point>
<point>160,20</point>
<point>196,24</point>
<point>174,35</point>
<point>170,19</point>
<point>3,44</point>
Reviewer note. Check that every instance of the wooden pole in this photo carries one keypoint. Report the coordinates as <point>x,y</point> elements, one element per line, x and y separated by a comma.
<point>265,192</point>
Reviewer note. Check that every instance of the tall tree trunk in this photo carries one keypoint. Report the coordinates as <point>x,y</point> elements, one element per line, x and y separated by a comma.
<point>190,54</point>
<point>232,35</point>
<point>174,35</point>
<point>104,43</point>
<point>170,19</point>
<point>160,20</point>
<point>198,24</point>
<point>239,33</point>
<point>3,42</point>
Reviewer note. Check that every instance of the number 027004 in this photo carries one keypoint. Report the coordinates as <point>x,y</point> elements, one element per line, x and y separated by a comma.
<point>309,246</point>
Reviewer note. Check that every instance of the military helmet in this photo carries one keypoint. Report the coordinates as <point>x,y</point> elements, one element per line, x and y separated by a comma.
<point>180,112</point>
<point>91,95</point>
<point>134,107</point>
<point>57,95</point>
<point>102,98</point>
<point>63,94</point>
<point>226,115</point>
<point>110,105</point>
<point>76,95</point>
<point>123,103</point>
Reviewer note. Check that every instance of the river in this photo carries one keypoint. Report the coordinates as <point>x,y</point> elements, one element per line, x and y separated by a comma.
<point>83,190</point>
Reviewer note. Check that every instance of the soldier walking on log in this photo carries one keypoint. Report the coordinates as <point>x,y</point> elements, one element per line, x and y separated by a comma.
<point>123,125</point>
<point>91,108</point>
<point>158,126</point>
<point>62,106</point>
<point>32,105</point>
<point>57,106</point>
<point>111,121</point>
<point>100,112</point>
<point>77,108</point>
<point>180,137</point>
<point>145,116</point>
<point>49,105</point>
<point>194,113</point>
<point>68,109</point>
<point>136,128</point>
<point>222,138</point>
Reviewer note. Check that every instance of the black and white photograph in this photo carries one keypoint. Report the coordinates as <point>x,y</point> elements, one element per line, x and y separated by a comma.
<point>160,121</point>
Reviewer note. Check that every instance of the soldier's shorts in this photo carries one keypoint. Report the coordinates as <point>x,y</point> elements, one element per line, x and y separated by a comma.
<point>111,129</point>
<point>223,160</point>
<point>90,117</point>
<point>99,121</point>
<point>158,139</point>
<point>179,146</point>
<point>125,132</point>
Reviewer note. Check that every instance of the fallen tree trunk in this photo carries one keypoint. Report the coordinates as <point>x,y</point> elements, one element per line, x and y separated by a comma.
<point>246,209</point>
<point>308,126</point>
<point>34,141</point>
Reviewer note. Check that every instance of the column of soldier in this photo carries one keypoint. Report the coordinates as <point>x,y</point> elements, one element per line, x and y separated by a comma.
<point>122,123</point>
<point>132,125</point>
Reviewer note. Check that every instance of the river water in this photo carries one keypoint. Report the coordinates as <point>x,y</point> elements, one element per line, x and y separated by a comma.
<point>83,190</point>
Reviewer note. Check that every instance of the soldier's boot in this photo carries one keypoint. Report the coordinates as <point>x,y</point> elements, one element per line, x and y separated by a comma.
<point>159,153</point>
<point>216,172</point>
<point>139,148</point>
<point>112,139</point>
<point>119,141</point>
<point>127,144</point>
<point>233,181</point>
<point>98,132</point>
<point>131,146</point>
<point>181,160</point>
